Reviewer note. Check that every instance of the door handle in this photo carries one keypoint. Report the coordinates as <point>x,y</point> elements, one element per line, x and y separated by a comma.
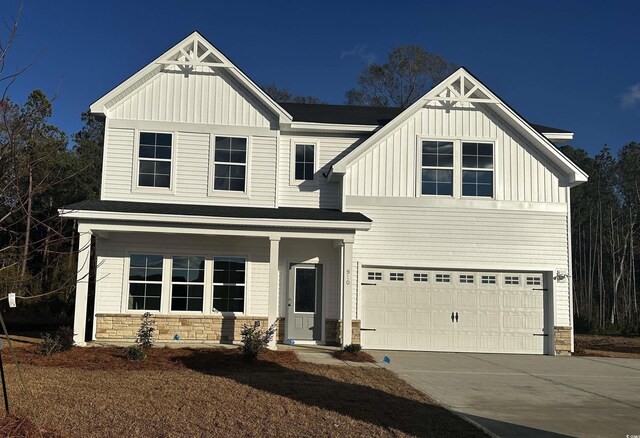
<point>452,317</point>
<point>456,316</point>
<point>289,303</point>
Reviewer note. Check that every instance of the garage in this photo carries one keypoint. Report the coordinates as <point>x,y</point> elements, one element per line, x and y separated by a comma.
<point>431,310</point>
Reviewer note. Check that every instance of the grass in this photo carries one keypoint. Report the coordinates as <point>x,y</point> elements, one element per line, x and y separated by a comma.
<point>608,346</point>
<point>360,356</point>
<point>214,392</point>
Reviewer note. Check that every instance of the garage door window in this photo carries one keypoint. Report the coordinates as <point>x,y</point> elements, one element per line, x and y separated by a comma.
<point>396,276</point>
<point>421,277</point>
<point>534,281</point>
<point>466,279</point>
<point>511,280</point>
<point>443,278</point>
<point>374,276</point>
<point>488,279</point>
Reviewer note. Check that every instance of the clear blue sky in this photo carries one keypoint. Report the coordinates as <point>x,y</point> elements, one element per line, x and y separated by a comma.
<point>568,64</point>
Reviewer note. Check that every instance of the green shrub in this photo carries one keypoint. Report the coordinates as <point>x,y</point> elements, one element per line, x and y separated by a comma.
<point>144,338</point>
<point>60,340</point>
<point>352,348</point>
<point>254,340</point>
<point>135,352</point>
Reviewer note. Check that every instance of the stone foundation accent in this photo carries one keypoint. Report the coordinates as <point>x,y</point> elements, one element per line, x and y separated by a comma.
<point>333,331</point>
<point>562,340</point>
<point>123,327</point>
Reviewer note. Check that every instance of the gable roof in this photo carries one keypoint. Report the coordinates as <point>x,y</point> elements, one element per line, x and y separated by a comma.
<point>462,86</point>
<point>192,51</point>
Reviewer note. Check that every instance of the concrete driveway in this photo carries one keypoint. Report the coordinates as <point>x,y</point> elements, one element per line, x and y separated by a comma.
<point>530,396</point>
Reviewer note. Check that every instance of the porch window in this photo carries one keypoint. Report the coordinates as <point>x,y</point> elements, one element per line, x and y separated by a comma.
<point>437,168</point>
<point>477,169</point>
<point>305,162</point>
<point>230,164</point>
<point>187,284</point>
<point>145,282</point>
<point>154,158</point>
<point>229,281</point>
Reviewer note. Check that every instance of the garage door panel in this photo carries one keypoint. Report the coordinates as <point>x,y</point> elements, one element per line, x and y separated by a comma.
<point>497,312</point>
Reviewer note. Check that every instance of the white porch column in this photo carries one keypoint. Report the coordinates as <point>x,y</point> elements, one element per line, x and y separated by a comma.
<point>274,257</point>
<point>347,290</point>
<point>82,285</point>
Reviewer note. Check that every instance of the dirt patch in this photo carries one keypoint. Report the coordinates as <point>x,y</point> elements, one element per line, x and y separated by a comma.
<point>18,426</point>
<point>608,346</point>
<point>360,356</point>
<point>89,392</point>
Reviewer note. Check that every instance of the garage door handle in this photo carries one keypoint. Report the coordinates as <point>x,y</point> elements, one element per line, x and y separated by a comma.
<point>540,334</point>
<point>452,317</point>
<point>456,316</point>
<point>367,330</point>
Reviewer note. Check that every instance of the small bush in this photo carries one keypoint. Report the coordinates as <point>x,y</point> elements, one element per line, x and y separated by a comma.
<point>254,340</point>
<point>352,348</point>
<point>144,338</point>
<point>135,352</point>
<point>60,340</point>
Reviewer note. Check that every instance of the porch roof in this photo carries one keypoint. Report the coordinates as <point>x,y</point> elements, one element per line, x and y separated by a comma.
<point>220,211</point>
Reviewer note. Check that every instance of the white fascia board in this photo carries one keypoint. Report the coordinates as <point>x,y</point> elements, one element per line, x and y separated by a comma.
<point>558,136</point>
<point>329,127</point>
<point>99,106</point>
<point>212,220</point>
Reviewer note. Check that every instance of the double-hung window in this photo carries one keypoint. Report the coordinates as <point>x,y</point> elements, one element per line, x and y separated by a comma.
<point>477,169</point>
<point>229,281</point>
<point>437,168</point>
<point>187,283</point>
<point>154,158</point>
<point>230,164</point>
<point>304,162</point>
<point>145,281</point>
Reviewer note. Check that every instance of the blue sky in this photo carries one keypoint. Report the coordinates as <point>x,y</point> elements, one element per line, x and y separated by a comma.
<point>568,64</point>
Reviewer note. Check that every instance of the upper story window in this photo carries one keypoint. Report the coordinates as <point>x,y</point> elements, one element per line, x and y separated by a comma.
<point>477,169</point>
<point>437,168</point>
<point>305,162</point>
<point>230,164</point>
<point>154,158</point>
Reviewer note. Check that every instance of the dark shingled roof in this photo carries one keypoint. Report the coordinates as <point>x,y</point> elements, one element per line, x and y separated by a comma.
<point>360,115</point>
<point>317,214</point>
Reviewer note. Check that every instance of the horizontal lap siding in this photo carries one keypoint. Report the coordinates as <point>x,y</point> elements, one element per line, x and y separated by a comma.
<point>192,169</point>
<point>315,194</point>
<point>390,167</point>
<point>466,239</point>
<point>112,252</point>
<point>201,97</point>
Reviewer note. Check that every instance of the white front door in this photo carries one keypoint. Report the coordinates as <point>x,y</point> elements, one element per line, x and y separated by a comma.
<point>489,312</point>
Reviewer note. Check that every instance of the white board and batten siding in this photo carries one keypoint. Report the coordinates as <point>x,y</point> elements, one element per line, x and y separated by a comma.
<point>319,193</point>
<point>192,180</point>
<point>202,96</point>
<point>524,228</point>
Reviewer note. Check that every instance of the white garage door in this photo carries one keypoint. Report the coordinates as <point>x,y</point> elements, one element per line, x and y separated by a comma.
<point>486,312</point>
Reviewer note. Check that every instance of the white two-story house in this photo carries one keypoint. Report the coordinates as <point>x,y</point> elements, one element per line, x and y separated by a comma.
<point>444,226</point>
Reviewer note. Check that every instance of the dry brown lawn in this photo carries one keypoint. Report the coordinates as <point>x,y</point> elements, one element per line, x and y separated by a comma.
<point>213,392</point>
<point>608,346</point>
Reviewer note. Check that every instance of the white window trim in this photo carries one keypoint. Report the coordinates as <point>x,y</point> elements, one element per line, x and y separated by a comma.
<point>292,161</point>
<point>135,188</point>
<point>457,166</point>
<point>420,167</point>
<point>493,168</point>
<point>245,284</point>
<point>124,307</point>
<point>204,285</point>
<point>212,168</point>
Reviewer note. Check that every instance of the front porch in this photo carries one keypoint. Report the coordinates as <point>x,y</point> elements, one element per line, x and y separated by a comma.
<point>297,277</point>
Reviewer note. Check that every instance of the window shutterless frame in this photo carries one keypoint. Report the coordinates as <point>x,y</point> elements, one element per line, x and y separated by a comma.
<point>227,166</point>
<point>147,161</point>
<point>188,275</point>
<point>295,142</point>
<point>477,169</point>
<point>145,281</point>
<point>229,284</point>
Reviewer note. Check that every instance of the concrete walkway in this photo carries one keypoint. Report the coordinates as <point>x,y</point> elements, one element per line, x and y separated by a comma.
<point>529,396</point>
<point>321,354</point>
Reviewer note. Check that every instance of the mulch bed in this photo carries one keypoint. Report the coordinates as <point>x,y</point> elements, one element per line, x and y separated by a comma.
<point>96,392</point>
<point>360,356</point>
<point>607,346</point>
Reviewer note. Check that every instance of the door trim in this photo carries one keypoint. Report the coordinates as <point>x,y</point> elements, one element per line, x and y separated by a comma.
<point>289,287</point>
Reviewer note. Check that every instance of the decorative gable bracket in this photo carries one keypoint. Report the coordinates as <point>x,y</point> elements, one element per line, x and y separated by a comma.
<point>460,89</point>
<point>195,53</point>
